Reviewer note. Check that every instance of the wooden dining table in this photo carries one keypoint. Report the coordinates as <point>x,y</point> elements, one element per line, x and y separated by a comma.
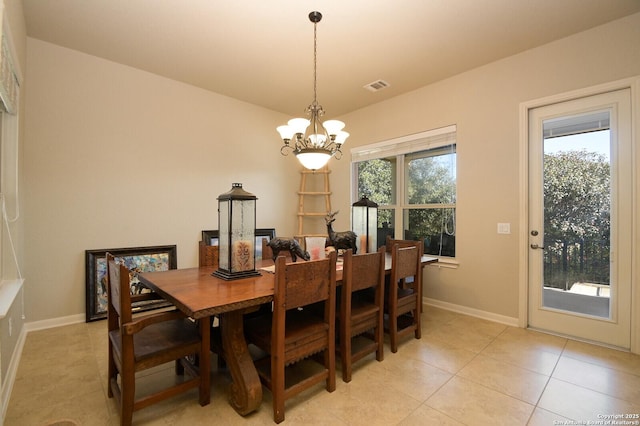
<point>201,296</point>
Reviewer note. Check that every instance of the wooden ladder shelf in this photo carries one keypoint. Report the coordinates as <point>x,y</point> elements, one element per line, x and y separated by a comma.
<point>304,216</point>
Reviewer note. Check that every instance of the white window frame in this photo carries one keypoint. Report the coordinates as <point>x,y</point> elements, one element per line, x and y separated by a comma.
<point>399,147</point>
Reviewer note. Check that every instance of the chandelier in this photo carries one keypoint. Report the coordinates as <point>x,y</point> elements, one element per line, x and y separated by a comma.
<point>312,141</point>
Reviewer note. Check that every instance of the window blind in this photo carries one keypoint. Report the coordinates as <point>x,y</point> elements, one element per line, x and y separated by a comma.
<point>583,123</point>
<point>406,144</point>
<point>9,86</point>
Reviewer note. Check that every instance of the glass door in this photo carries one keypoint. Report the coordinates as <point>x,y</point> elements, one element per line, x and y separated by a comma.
<point>580,193</point>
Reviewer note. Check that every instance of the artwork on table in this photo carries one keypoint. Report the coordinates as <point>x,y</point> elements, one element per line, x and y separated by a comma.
<point>211,238</point>
<point>137,259</point>
<point>243,259</point>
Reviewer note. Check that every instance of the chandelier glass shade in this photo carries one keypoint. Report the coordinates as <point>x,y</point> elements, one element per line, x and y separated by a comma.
<point>312,141</point>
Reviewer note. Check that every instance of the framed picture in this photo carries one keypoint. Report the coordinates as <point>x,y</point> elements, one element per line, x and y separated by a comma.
<point>137,259</point>
<point>211,238</point>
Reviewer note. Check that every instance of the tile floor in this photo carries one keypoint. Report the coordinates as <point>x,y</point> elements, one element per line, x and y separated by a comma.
<point>464,371</point>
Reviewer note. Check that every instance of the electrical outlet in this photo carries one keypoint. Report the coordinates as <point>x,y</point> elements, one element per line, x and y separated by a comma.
<point>504,228</point>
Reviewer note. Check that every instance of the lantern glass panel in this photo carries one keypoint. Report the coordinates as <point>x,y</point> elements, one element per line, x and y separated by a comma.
<point>223,242</point>
<point>372,229</point>
<point>243,229</point>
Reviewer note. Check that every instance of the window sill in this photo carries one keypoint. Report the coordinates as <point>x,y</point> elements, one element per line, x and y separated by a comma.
<point>9,289</point>
<point>445,263</point>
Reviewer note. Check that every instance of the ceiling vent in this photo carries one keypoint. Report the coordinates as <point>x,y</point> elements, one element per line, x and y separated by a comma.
<point>376,85</point>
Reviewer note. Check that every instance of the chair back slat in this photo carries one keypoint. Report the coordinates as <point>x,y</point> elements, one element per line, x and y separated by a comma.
<point>406,261</point>
<point>391,242</point>
<point>365,269</point>
<point>207,255</point>
<point>119,288</point>
<point>304,283</point>
<point>267,252</point>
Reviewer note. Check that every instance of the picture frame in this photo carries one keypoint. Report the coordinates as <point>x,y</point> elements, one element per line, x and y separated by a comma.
<point>137,259</point>
<point>211,238</point>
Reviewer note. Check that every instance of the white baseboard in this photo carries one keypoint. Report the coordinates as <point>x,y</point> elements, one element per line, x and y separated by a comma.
<point>490,316</point>
<point>55,322</point>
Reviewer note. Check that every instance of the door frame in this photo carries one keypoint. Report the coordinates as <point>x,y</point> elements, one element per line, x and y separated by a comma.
<point>523,235</point>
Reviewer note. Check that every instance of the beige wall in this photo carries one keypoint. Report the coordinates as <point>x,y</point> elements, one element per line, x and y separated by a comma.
<point>484,104</point>
<point>117,157</point>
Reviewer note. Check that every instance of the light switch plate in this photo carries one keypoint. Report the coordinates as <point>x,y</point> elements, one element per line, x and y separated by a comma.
<point>504,228</point>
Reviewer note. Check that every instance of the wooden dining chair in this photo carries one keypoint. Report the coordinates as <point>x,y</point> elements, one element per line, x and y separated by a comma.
<point>359,314</point>
<point>145,341</point>
<point>207,255</point>
<point>267,253</point>
<point>403,298</point>
<point>292,333</point>
<point>390,242</point>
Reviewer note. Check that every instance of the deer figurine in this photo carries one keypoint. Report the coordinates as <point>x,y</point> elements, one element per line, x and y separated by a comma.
<point>340,240</point>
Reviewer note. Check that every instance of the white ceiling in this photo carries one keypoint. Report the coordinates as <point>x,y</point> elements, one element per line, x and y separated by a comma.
<point>262,51</point>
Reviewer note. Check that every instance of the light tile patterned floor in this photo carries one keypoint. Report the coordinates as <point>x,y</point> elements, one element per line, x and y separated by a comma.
<point>464,371</point>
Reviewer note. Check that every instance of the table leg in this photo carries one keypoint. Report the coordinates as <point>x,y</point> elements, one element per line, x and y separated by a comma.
<point>245,391</point>
<point>205,361</point>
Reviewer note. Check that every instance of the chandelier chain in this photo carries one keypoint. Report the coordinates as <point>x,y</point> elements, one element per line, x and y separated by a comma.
<point>315,63</point>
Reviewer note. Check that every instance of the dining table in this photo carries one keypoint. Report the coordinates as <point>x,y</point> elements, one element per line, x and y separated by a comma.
<point>202,296</point>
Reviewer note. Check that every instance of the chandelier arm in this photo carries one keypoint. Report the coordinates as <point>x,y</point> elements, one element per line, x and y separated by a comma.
<point>284,148</point>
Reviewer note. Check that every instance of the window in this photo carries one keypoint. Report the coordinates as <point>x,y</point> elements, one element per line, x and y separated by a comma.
<point>413,180</point>
<point>12,281</point>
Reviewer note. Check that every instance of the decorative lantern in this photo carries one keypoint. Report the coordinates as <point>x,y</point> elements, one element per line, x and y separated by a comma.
<point>364,219</point>
<point>237,234</point>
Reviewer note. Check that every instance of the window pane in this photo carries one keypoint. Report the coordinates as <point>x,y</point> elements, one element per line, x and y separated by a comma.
<point>577,216</point>
<point>435,227</point>
<point>431,176</point>
<point>377,180</point>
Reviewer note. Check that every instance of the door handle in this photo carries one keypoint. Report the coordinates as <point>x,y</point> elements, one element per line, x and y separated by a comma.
<point>535,246</point>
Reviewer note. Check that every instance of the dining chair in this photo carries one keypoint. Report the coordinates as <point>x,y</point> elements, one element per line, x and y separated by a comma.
<point>141,342</point>
<point>267,253</point>
<point>403,298</point>
<point>292,332</point>
<point>359,314</point>
<point>390,242</point>
<point>207,255</point>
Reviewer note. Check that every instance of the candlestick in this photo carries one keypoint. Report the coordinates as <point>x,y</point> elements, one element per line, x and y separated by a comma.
<point>363,244</point>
